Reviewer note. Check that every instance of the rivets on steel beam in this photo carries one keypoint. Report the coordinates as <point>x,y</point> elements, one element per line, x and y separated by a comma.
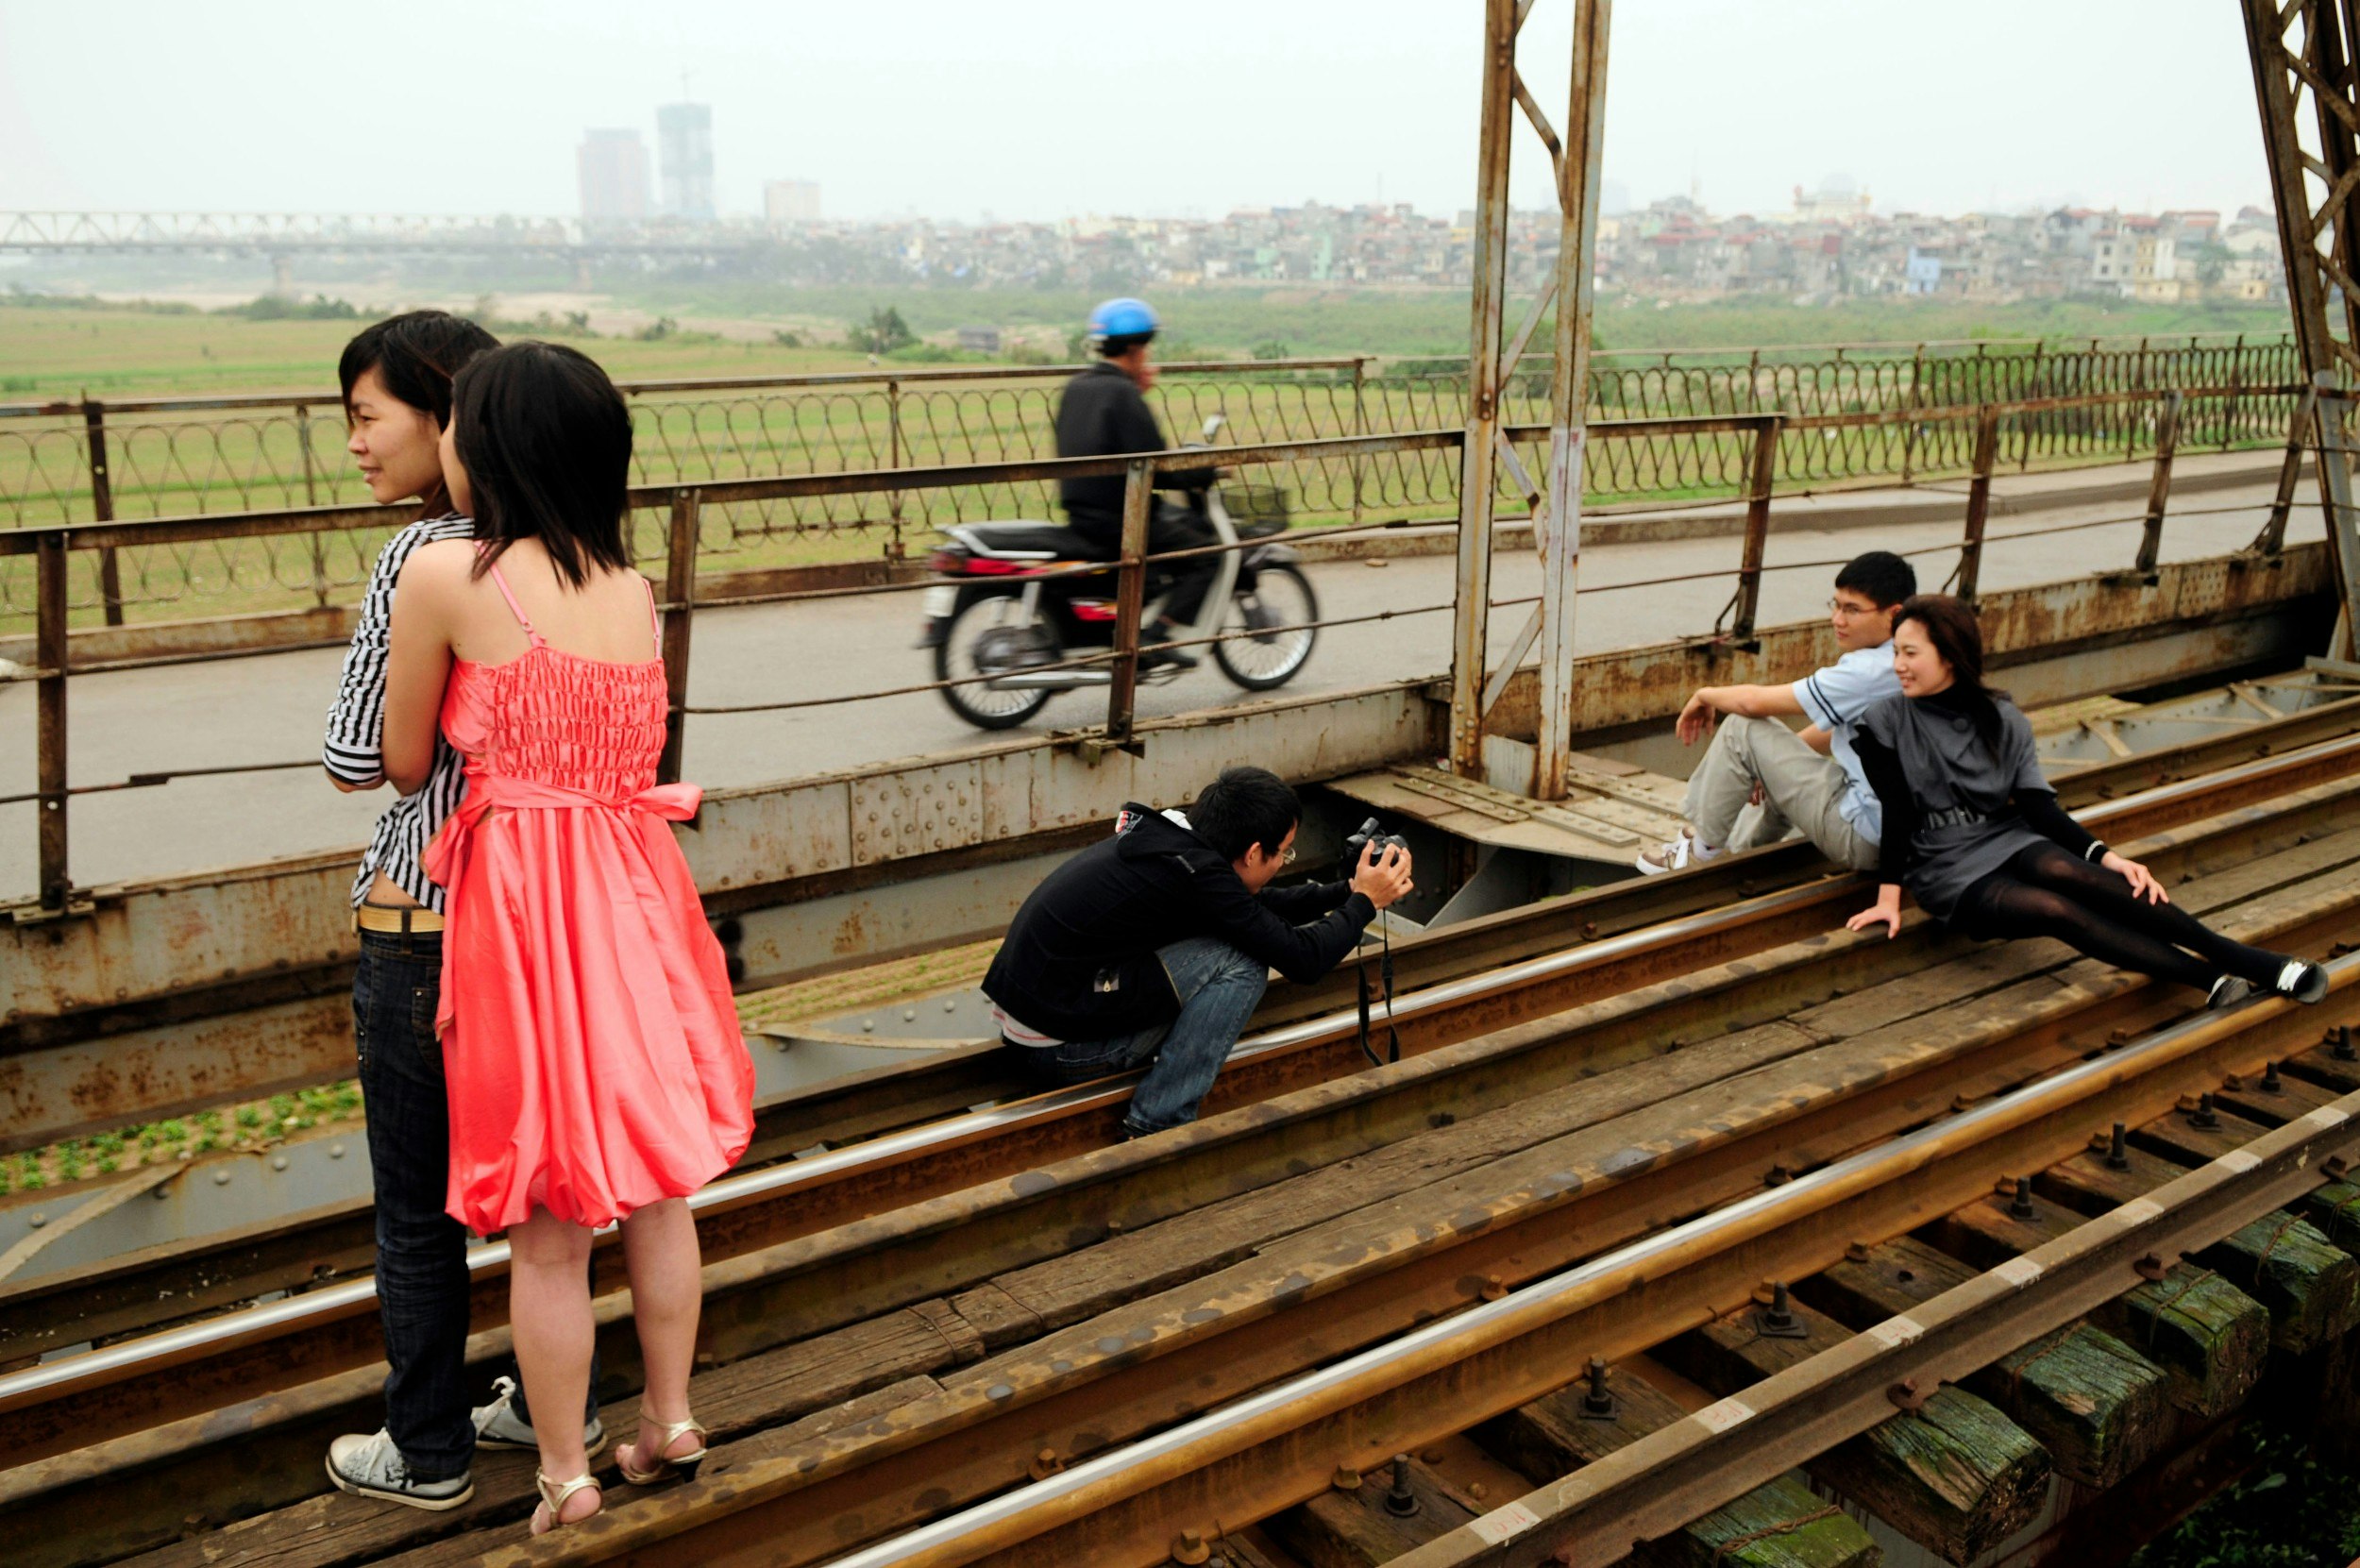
<point>1399,1500</point>
<point>1856,1252</point>
<point>2021,1204</point>
<point>1779,1175</point>
<point>1598,1402</point>
<point>999,1391</point>
<point>1494,1287</point>
<point>1045,1464</point>
<point>2150,1267</point>
<point>1345,1478</point>
<point>2118,1148</point>
<point>1907,1395</point>
<point>1778,1319</point>
<point>2118,1038</point>
<point>1189,1549</point>
<point>2203,1118</point>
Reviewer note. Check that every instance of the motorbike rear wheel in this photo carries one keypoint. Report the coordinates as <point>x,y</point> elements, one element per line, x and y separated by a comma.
<point>993,636</point>
<point>1280,614</point>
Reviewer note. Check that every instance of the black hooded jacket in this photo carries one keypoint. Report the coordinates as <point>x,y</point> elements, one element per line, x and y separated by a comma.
<point>1103,413</point>
<point>1080,960</point>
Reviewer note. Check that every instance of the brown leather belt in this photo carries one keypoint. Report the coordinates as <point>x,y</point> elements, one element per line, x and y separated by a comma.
<point>397,920</point>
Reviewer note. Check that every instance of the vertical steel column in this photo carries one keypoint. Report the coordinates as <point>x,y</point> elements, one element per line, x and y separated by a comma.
<point>49,739</point>
<point>680,599</point>
<point>894,549</point>
<point>2336,475</point>
<point>2272,539</point>
<point>102,506</point>
<point>1978,501</point>
<point>2159,487</point>
<point>1138,499</point>
<point>312,497</point>
<point>1568,397</point>
<point>1360,426</point>
<point>1471,621</point>
<point>1760,471</point>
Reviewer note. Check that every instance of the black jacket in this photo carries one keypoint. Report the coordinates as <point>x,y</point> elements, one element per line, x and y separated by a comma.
<point>1080,960</point>
<point>1103,413</point>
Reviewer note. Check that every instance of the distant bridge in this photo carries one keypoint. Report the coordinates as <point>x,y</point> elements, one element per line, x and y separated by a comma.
<point>283,235</point>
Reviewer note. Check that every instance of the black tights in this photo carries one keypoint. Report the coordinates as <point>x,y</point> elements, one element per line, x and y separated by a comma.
<point>2044,891</point>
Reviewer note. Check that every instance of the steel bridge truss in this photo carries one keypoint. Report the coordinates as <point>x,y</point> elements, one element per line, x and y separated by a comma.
<point>1557,511</point>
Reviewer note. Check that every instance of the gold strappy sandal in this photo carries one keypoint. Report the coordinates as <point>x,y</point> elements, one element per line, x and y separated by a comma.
<point>555,1495</point>
<point>665,1437</point>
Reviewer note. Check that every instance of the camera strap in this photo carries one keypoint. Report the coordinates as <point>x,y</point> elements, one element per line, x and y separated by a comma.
<point>1384,970</point>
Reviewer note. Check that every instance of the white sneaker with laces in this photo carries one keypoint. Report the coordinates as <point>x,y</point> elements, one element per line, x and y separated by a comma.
<point>497,1427</point>
<point>371,1466</point>
<point>1677,854</point>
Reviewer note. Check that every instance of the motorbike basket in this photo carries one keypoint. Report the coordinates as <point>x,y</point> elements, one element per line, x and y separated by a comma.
<point>1259,511</point>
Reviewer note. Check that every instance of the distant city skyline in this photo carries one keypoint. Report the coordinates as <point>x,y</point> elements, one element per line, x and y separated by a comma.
<point>955,110</point>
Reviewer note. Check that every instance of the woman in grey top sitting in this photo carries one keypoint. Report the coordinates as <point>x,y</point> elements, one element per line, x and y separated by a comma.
<point>1973,829</point>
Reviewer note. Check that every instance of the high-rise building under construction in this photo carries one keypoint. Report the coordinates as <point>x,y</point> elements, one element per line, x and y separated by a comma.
<point>683,139</point>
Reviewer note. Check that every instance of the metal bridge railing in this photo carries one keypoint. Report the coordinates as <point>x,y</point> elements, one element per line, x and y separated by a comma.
<point>1987,429</point>
<point>100,460</point>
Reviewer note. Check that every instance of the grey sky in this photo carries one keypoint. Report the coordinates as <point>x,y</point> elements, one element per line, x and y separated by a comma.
<point>1042,108</point>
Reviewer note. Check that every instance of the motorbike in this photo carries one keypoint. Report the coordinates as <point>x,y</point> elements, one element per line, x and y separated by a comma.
<point>1011,605</point>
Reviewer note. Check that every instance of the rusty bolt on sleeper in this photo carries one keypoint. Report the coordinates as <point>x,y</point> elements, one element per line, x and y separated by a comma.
<point>1778,1319</point>
<point>2339,1039</point>
<point>2118,1148</point>
<point>1399,1500</point>
<point>1599,1403</point>
<point>2204,1119</point>
<point>2021,1204</point>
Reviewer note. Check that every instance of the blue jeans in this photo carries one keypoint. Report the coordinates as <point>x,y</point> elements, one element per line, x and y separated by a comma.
<point>1219,988</point>
<point>422,1284</point>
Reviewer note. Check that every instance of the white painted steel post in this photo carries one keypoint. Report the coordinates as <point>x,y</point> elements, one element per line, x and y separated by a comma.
<point>1472,618</point>
<point>1569,402</point>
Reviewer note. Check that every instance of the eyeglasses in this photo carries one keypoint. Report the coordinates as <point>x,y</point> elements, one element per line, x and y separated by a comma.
<point>1842,611</point>
<point>1287,856</point>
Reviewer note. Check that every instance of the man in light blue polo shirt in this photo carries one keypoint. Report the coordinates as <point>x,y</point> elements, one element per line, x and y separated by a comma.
<point>1811,781</point>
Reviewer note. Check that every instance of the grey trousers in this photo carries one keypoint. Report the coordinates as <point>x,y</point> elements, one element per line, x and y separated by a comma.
<point>1800,789</point>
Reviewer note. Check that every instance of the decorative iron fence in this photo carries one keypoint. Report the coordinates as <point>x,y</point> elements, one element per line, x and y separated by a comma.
<point>171,457</point>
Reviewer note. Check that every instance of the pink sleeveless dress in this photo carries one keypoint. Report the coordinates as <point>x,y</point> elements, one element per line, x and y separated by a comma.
<point>590,1046</point>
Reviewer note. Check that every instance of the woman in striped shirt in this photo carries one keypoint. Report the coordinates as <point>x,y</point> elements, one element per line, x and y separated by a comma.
<point>396,378</point>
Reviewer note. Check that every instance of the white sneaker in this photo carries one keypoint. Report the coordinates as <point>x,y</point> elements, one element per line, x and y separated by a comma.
<point>497,1427</point>
<point>1675,855</point>
<point>371,1466</point>
<point>2303,981</point>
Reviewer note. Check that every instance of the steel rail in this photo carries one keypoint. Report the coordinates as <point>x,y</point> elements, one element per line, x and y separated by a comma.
<point>1465,979</point>
<point>1615,1199</point>
<point>1259,1427</point>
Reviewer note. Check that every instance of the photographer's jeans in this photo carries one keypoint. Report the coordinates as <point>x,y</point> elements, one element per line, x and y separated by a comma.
<point>422,1284</point>
<point>1219,988</point>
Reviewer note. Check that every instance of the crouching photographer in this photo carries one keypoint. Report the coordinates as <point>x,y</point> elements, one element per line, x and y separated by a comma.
<point>1153,947</point>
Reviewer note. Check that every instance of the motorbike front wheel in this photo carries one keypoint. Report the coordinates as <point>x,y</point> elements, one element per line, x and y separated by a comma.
<point>991,637</point>
<point>1279,619</point>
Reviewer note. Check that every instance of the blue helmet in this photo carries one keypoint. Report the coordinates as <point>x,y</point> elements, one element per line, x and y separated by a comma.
<point>1123,318</point>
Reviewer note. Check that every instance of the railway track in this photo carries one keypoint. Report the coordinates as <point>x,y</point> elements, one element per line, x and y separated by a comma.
<point>963,1266</point>
<point>154,1289</point>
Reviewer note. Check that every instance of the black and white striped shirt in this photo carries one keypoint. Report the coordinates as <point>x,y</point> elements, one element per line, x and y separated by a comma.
<point>355,749</point>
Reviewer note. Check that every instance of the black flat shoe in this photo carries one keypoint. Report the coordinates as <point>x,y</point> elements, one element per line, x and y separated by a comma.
<point>2227,992</point>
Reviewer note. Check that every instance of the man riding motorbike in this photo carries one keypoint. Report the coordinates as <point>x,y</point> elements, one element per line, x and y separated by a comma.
<point>1104,412</point>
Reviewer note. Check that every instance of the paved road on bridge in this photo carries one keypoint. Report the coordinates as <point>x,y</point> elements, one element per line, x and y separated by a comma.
<point>270,707</point>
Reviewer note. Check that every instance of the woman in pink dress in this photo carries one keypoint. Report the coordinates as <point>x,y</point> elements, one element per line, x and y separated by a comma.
<point>590,1045</point>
